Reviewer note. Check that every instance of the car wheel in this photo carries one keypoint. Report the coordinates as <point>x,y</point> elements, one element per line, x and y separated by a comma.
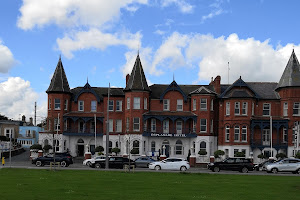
<point>97,165</point>
<point>63,164</point>
<point>183,168</point>
<point>88,163</point>
<point>157,167</point>
<point>216,169</point>
<point>244,170</point>
<point>297,171</point>
<point>275,170</point>
<point>148,165</point>
<point>38,163</point>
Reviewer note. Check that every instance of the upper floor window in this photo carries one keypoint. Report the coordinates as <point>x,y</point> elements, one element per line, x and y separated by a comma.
<point>227,135</point>
<point>80,105</point>
<point>56,124</point>
<point>111,125</point>
<point>111,105</point>
<point>118,125</point>
<point>236,108</point>
<point>236,133</point>
<point>179,104</point>
<point>212,105</point>
<point>178,126</point>
<point>57,104</point>
<point>118,105</point>
<point>93,106</point>
<point>128,103</point>
<point>296,108</point>
<point>284,135</point>
<point>244,134</point>
<point>252,108</point>
<point>49,106</point>
<point>136,124</point>
<point>153,125</point>
<point>145,103</point>
<point>285,109</point>
<point>66,104</point>
<point>211,126</point>
<point>166,126</point>
<point>227,108</point>
<point>194,104</point>
<point>203,125</point>
<point>166,103</point>
<point>245,108</point>
<point>266,109</point>
<point>127,124</point>
<point>136,103</point>
<point>203,104</point>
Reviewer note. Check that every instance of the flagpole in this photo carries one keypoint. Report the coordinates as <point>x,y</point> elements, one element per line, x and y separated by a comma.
<point>107,130</point>
<point>297,138</point>
<point>95,132</point>
<point>271,128</point>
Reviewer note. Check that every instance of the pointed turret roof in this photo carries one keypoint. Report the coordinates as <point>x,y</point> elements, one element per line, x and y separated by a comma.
<point>291,74</point>
<point>59,81</point>
<point>137,80</point>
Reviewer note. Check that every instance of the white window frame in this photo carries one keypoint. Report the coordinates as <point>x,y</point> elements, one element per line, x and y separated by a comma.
<point>227,133</point>
<point>118,125</point>
<point>227,109</point>
<point>296,107</point>
<point>285,109</point>
<point>93,107</point>
<point>253,107</point>
<point>136,103</point>
<point>153,125</point>
<point>127,124</point>
<point>145,104</point>
<point>166,126</point>
<point>179,127</point>
<point>211,126</point>
<point>236,133</point>
<point>110,125</point>
<point>203,104</point>
<point>179,104</point>
<point>136,123</point>
<point>284,135</point>
<point>194,104</point>
<point>244,134</point>
<point>80,105</point>
<point>245,108</point>
<point>237,109</point>
<point>57,104</point>
<point>194,126</point>
<point>66,104</point>
<point>202,125</point>
<point>111,105</point>
<point>267,109</point>
<point>212,105</point>
<point>166,104</point>
<point>119,105</point>
<point>128,103</point>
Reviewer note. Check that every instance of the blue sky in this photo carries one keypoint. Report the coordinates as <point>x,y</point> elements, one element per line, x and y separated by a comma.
<point>99,40</point>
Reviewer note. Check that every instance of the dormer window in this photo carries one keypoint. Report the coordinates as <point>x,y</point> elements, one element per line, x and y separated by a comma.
<point>136,103</point>
<point>266,109</point>
<point>80,105</point>
<point>57,104</point>
<point>118,105</point>
<point>203,104</point>
<point>93,106</point>
<point>111,105</point>
<point>179,104</point>
<point>296,109</point>
<point>166,103</point>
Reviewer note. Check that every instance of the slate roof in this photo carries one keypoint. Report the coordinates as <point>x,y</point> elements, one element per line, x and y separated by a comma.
<point>291,74</point>
<point>100,91</point>
<point>137,79</point>
<point>59,81</point>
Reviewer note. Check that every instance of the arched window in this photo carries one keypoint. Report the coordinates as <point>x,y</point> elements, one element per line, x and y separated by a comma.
<point>178,147</point>
<point>80,141</point>
<point>136,144</point>
<point>46,142</point>
<point>203,146</point>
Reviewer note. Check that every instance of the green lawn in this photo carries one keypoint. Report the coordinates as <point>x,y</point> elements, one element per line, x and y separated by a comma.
<point>97,184</point>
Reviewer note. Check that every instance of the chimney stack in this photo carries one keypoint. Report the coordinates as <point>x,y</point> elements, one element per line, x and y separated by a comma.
<point>127,78</point>
<point>31,120</point>
<point>23,118</point>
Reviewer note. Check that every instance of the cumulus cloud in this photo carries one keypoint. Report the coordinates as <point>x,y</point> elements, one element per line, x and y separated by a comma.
<point>16,97</point>
<point>7,60</point>
<point>183,6</point>
<point>38,13</point>
<point>94,38</point>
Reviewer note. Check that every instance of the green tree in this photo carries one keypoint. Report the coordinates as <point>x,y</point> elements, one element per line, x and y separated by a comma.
<point>262,156</point>
<point>116,150</point>
<point>219,153</point>
<point>239,154</point>
<point>47,147</point>
<point>280,155</point>
<point>36,146</point>
<point>134,151</point>
<point>99,149</point>
<point>202,152</point>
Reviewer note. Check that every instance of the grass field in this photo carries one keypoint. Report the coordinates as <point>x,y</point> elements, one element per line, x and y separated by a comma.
<point>96,184</point>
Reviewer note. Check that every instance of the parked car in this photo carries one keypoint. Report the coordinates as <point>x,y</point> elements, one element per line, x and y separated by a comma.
<point>143,161</point>
<point>262,166</point>
<point>88,162</point>
<point>285,165</point>
<point>113,162</point>
<point>64,159</point>
<point>170,164</point>
<point>239,164</point>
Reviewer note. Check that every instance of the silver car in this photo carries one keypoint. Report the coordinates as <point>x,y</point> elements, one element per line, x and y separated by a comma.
<point>285,165</point>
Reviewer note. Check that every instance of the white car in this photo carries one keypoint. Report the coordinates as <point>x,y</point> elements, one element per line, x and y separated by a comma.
<point>285,165</point>
<point>89,162</point>
<point>170,164</point>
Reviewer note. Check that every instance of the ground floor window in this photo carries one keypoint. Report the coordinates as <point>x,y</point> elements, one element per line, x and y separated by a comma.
<point>178,147</point>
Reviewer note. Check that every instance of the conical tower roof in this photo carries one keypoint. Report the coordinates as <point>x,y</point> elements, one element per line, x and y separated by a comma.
<point>137,80</point>
<point>291,74</point>
<point>59,81</point>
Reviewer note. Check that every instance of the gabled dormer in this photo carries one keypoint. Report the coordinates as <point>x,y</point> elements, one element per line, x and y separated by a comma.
<point>173,87</point>
<point>59,82</point>
<point>202,90</point>
<point>239,89</point>
<point>291,74</point>
<point>88,89</point>
<point>137,80</point>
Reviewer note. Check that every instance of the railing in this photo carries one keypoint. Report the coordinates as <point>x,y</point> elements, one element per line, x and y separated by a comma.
<point>259,142</point>
<point>83,131</point>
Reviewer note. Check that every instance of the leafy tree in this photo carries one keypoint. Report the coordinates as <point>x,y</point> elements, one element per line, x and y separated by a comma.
<point>262,156</point>
<point>239,154</point>
<point>47,147</point>
<point>219,153</point>
<point>36,146</point>
<point>116,150</point>
<point>135,151</point>
<point>280,155</point>
<point>99,149</point>
<point>2,117</point>
<point>202,152</point>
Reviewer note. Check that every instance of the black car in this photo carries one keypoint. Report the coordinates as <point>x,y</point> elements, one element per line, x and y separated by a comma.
<point>64,159</point>
<point>113,162</point>
<point>238,164</point>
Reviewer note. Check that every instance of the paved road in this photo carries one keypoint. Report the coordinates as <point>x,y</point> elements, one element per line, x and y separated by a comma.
<point>23,161</point>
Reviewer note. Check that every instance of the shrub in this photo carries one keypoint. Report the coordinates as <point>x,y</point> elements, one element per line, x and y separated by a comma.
<point>100,153</point>
<point>36,146</point>
<point>239,154</point>
<point>116,150</point>
<point>280,155</point>
<point>262,156</point>
<point>219,153</point>
<point>297,155</point>
<point>47,147</point>
<point>99,149</point>
<point>135,151</point>
<point>202,152</point>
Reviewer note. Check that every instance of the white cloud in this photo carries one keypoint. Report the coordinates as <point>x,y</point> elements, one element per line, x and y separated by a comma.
<point>17,97</point>
<point>94,38</point>
<point>183,6</point>
<point>38,13</point>
<point>7,60</point>
<point>212,14</point>
<point>159,32</point>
